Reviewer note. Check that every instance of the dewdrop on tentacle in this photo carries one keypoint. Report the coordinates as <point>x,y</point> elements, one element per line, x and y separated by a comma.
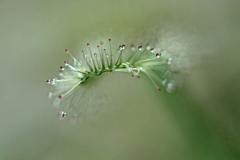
<point>72,85</point>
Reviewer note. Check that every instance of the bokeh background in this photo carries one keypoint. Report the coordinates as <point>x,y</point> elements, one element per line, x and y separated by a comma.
<point>200,121</point>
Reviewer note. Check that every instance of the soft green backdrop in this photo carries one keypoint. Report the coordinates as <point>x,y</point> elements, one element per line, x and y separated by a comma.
<point>200,122</point>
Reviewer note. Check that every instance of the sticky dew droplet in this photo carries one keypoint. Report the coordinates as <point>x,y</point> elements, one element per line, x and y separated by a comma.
<point>56,102</point>
<point>49,95</point>
<point>170,87</point>
<point>62,115</point>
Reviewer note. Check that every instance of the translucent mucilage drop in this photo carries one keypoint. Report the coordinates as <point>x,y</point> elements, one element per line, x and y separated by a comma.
<point>49,95</point>
<point>170,87</point>
<point>56,102</point>
<point>62,115</point>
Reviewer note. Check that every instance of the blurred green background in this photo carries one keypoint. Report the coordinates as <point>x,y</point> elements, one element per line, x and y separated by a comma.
<point>199,122</point>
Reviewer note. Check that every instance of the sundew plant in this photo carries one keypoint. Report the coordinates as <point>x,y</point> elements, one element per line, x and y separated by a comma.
<point>160,62</point>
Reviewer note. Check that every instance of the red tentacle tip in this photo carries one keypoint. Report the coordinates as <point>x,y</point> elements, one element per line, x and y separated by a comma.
<point>60,96</point>
<point>109,40</point>
<point>138,76</point>
<point>88,44</point>
<point>62,68</point>
<point>97,46</point>
<point>101,43</point>
<point>159,89</point>
<point>48,81</point>
<point>158,55</point>
<point>82,51</point>
<point>133,75</point>
<point>66,50</point>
